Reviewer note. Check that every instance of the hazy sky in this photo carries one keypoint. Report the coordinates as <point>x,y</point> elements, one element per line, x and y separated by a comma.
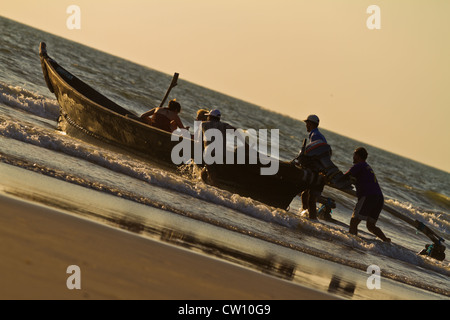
<point>386,87</point>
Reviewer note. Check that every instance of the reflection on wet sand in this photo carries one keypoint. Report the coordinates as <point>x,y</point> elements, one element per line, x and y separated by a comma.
<point>268,264</point>
<point>341,287</point>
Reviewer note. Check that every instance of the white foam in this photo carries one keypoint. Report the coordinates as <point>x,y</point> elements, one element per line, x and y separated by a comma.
<point>433,220</point>
<point>31,102</point>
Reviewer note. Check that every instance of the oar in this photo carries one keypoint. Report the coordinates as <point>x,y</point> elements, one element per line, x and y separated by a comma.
<point>172,85</point>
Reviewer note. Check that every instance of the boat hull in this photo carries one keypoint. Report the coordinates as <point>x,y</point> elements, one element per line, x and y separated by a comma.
<point>86,111</point>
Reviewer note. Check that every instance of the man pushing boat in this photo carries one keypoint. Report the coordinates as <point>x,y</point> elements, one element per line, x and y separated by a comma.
<point>309,196</point>
<point>370,197</point>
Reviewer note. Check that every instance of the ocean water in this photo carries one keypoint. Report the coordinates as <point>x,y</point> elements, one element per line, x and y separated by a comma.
<point>41,164</point>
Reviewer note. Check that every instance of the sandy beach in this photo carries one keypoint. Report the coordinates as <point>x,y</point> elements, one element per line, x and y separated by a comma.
<point>38,244</point>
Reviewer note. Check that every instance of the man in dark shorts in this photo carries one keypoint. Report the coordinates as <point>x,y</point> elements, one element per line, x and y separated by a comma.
<point>370,198</point>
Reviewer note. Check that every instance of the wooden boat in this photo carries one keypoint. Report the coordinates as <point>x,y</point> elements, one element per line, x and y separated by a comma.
<point>84,110</point>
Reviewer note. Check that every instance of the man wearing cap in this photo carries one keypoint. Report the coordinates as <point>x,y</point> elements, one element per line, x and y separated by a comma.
<point>312,124</point>
<point>309,196</point>
<point>213,122</point>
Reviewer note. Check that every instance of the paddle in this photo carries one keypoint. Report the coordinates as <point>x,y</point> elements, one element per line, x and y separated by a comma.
<point>172,85</point>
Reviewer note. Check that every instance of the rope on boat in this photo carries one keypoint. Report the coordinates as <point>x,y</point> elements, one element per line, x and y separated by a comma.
<point>84,130</point>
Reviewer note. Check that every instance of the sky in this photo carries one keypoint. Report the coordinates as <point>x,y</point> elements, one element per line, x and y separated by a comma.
<point>386,86</point>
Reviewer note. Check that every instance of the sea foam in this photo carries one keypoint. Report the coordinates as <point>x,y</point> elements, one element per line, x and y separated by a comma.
<point>28,101</point>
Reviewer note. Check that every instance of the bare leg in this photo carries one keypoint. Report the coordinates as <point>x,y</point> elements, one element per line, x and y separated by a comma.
<point>312,207</point>
<point>377,231</point>
<point>305,199</point>
<point>309,203</point>
<point>354,226</point>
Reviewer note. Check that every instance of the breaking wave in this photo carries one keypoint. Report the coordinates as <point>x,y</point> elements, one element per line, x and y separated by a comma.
<point>30,102</point>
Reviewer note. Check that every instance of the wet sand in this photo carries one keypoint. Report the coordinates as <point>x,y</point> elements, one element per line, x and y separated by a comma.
<point>38,244</point>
